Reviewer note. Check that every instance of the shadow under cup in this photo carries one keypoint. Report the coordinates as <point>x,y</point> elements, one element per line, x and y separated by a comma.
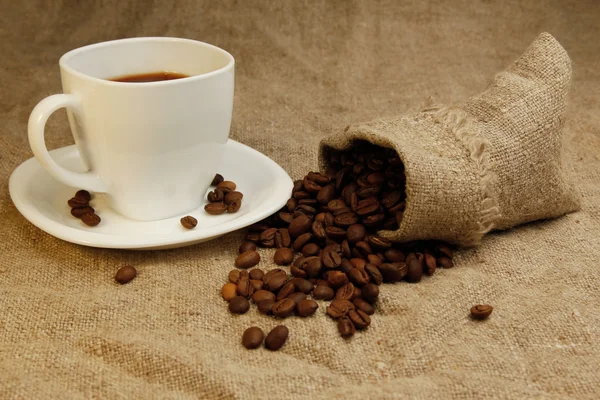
<point>155,146</point>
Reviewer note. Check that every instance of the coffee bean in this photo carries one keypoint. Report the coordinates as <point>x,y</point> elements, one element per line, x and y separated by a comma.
<point>345,266</point>
<point>322,292</point>
<point>374,274</point>
<point>363,305</point>
<point>253,338</point>
<point>346,219</point>
<point>355,233</point>
<point>358,262</point>
<point>391,199</point>
<point>239,305</point>
<point>226,186</point>
<point>430,264</point>
<point>346,292</point>
<point>245,288</point>
<point>283,238</point>
<point>75,202</point>
<point>373,221</point>
<point>297,186</point>
<point>379,243</point>
<point>247,259</point>
<point>277,337</point>
<point>310,186</point>
<point>301,195</point>
<point>291,205</point>
<point>306,308</point>
<point>90,219</point>
<point>234,276</point>
<point>77,212</point>
<point>337,278</point>
<point>364,248</point>
<point>215,196</point>
<point>216,208</point>
<point>359,318</point>
<point>274,282</point>
<point>445,262</point>
<point>253,237</point>
<point>367,207</point>
<point>286,290</point>
<point>259,226</point>
<point>375,259</point>
<point>370,292</point>
<point>217,179</point>
<point>339,308</point>
<point>310,249</point>
<point>229,291</point>
<point>301,241</point>
<point>247,245</point>
<point>305,210</point>
<point>415,270</point>
<point>331,256</point>
<point>256,273</point>
<point>262,295</point>
<point>297,272</point>
<point>125,274</point>
<point>283,308</point>
<point>346,327</point>
<point>234,206</point>
<point>257,284</point>
<point>233,197</point>
<point>391,272</point>
<point>326,194</point>
<point>312,266</point>
<point>319,178</point>
<point>359,277</point>
<point>283,256</point>
<point>301,224</point>
<point>318,229</point>
<point>481,311</point>
<point>189,222</point>
<point>444,250</point>
<point>394,255</point>
<point>267,237</point>
<point>335,233</point>
<point>345,246</point>
<point>83,196</point>
<point>302,285</point>
<point>297,297</point>
<point>265,306</point>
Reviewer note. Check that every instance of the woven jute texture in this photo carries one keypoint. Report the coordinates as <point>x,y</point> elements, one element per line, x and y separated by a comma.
<point>304,70</point>
<point>491,163</point>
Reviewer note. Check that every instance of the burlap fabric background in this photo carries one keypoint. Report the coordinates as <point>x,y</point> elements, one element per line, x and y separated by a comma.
<point>490,163</point>
<point>304,68</point>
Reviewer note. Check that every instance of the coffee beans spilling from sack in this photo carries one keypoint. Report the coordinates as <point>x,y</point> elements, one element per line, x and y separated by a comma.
<point>329,226</point>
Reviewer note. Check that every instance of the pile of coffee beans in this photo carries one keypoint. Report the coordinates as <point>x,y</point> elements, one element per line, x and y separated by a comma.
<point>80,208</point>
<point>224,197</point>
<point>327,233</point>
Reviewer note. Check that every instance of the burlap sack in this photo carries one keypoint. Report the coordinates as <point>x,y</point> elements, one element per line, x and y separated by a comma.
<point>492,162</point>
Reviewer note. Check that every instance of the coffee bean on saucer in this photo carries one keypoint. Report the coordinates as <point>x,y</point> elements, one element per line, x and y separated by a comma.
<point>253,338</point>
<point>83,195</point>
<point>229,291</point>
<point>216,196</point>
<point>77,212</point>
<point>189,222</point>
<point>277,337</point>
<point>233,197</point>
<point>481,311</point>
<point>247,245</point>
<point>90,219</point>
<point>247,259</point>
<point>239,305</point>
<point>226,186</point>
<point>77,202</point>
<point>217,179</point>
<point>234,206</point>
<point>125,274</point>
<point>216,208</point>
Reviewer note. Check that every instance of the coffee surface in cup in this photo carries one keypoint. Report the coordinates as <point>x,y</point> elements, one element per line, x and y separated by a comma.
<point>149,77</point>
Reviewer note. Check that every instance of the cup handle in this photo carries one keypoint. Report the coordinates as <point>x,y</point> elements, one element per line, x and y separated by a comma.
<point>37,121</point>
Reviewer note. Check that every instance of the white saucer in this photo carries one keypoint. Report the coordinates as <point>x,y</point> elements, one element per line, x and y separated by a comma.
<point>43,201</point>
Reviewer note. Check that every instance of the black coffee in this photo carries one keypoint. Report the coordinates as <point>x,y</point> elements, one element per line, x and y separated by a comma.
<point>150,77</point>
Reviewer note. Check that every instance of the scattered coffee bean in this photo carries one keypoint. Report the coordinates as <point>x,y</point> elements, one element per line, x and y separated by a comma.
<point>306,308</point>
<point>481,311</point>
<point>364,306</point>
<point>247,259</point>
<point>310,249</point>
<point>370,292</point>
<point>217,179</point>
<point>90,219</point>
<point>297,297</point>
<point>339,308</point>
<point>286,290</point>
<point>277,337</point>
<point>274,282</point>
<point>302,285</point>
<point>283,256</point>
<point>253,338</point>
<point>245,288</point>
<point>359,318</point>
<point>262,295</point>
<point>125,274</point>
<point>445,262</point>
<point>239,305</point>
<point>265,306</point>
<point>189,222</point>
<point>256,274</point>
<point>301,224</point>
<point>229,291</point>
<point>257,284</point>
<point>283,308</point>
<point>415,270</point>
<point>346,327</point>
<point>322,292</point>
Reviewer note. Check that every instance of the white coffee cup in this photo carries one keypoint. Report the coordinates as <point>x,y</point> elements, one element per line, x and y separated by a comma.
<point>153,147</point>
